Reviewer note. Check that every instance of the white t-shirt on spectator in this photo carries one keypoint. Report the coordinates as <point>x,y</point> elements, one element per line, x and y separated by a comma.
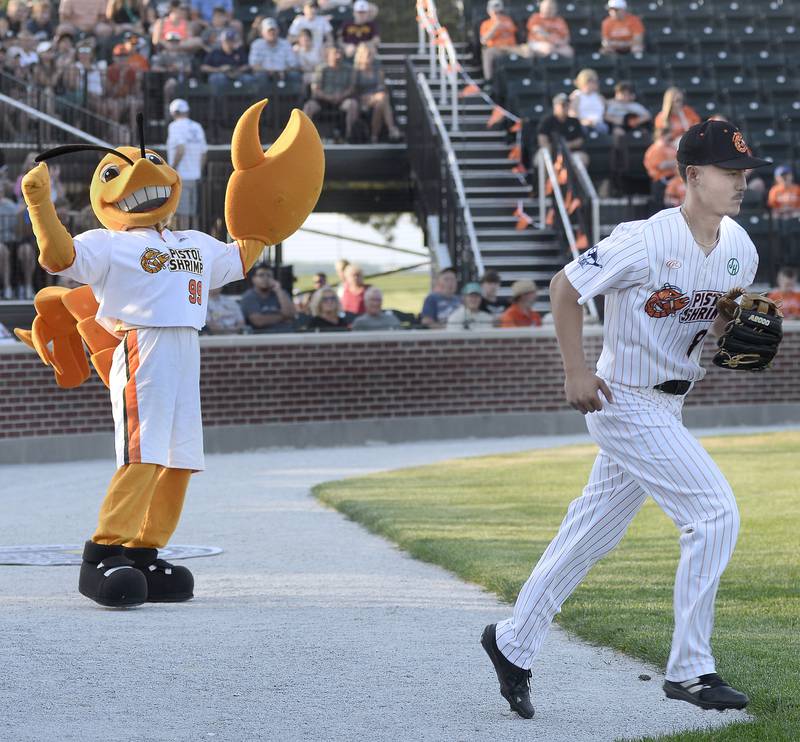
<point>318,26</point>
<point>588,106</point>
<point>191,135</point>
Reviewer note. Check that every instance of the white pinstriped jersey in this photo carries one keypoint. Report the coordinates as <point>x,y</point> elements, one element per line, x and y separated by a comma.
<point>661,292</point>
<point>143,278</point>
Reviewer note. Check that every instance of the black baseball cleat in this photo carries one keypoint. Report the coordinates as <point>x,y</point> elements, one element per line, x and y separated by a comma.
<point>166,583</point>
<point>515,683</point>
<point>708,692</point>
<point>109,578</point>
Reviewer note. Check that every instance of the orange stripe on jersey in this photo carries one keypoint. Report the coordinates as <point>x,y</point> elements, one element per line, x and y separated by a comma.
<point>131,402</point>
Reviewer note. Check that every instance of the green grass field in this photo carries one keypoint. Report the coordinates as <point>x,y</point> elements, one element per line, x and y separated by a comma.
<point>403,291</point>
<point>488,519</point>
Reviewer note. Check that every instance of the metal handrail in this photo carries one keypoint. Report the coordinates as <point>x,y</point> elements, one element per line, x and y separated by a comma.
<point>591,192</point>
<point>455,171</point>
<point>545,163</point>
<point>441,49</point>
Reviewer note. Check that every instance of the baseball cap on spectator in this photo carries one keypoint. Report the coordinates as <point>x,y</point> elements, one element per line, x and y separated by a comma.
<point>782,170</point>
<point>494,5</point>
<point>179,105</point>
<point>269,23</point>
<point>560,98</point>
<point>361,6</point>
<point>15,51</point>
<point>617,5</point>
<point>520,288</point>
<point>44,46</point>
<point>471,288</point>
<point>84,49</point>
<point>717,143</point>
<point>229,34</point>
<point>490,277</point>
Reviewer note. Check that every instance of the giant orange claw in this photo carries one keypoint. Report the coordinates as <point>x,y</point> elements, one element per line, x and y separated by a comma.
<point>271,194</point>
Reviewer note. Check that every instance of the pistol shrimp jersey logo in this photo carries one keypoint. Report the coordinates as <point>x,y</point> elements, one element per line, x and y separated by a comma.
<point>667,300</point>
<point>153,260</point>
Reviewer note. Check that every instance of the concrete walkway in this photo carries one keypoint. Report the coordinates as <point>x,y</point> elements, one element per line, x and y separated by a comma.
<point>305,628</point>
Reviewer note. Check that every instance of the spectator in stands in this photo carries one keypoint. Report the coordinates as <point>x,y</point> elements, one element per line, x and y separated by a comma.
<point>521,312</point>
<point>675,115</point>
<point>661,164</point>
<point>303,300</point>
<point>326,312</point>
<point>176,21</point>
<point>498,35</point>
<point>40,24</point>
<point>186,152</point>
<point>308,56</point>
<point>340,266</point>
<point>784,196</point>
<point>548,33</point>
<point>266,306</point>
<point>82,81</point>
<point>126,14</point>
<point>621,32</point>
<point>586,104</point>
<point>332,91</point>
<point>224,315</point>
<point>206,8</point>
<point>13,249</point>
<point>370,87</point>
<point>442,301</point>
<point>375,317</point>
<point>220,21</point>
<point>271,57</point>
<point>354,289</point>
<point>787,293</point>
<point>17,14</point>
<point>123,98</point>
<point>226,63</point>
<point>561,124</point>
<point>319,26</point>
<point>361,30</point>
<point>623,111</point>
<point>490,301</point>
<point>6,34</point>
<point>46,76</point>
<point>675,192</point>
<point>82,14</point>
<point>470,316</point>
<point>173,60</point>
<point>57,190</point>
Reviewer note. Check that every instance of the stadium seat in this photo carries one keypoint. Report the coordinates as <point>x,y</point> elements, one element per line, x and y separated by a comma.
<point>640,66</point>
<point>777,147</point>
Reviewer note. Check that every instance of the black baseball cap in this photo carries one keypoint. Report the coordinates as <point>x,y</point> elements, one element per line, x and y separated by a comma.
<point>717,143</point>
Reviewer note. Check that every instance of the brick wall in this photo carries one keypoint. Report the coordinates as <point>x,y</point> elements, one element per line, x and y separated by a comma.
<point>287,379</point>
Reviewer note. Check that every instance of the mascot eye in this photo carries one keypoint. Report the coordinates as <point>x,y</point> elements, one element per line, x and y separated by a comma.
<point>155,159</point>
<point>111,172</point>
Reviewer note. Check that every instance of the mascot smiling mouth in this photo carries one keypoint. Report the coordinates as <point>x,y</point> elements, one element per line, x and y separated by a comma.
<point>145,199</point>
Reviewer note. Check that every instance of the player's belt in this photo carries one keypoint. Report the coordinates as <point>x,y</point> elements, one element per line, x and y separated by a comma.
<point>674,386</point>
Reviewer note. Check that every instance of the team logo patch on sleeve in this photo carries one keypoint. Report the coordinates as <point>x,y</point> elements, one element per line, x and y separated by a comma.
<point>589,258</point>
<point>153,260</point>
<point>667,300</point>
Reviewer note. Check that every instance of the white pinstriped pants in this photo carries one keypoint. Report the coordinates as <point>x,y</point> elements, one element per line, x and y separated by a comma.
<point>644,450</point>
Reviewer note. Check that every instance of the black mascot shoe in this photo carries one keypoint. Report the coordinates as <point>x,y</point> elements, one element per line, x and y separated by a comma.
<point>708,692</point>
<point>515,683</point>
<point>166,583</point>
<point>109,578</point>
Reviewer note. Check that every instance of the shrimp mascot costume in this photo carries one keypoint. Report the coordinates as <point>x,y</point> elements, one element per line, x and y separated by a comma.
<point>139,315</point>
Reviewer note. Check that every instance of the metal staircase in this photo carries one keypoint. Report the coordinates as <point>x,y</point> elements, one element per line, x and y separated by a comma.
<point>493,192</point>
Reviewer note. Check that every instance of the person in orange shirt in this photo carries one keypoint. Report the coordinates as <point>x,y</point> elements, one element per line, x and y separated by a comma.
<point>622,32</point>
<point>661,164</point>
<point>675,192</point>
<point>498,36</point>
<point>787,293</point>
<point>675,115</point>
<point>548,33</point>
<point>521,312</point>
<point>784,196</point>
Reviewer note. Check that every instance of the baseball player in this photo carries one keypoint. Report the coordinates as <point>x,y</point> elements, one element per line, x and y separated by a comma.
<point>661,279</point>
